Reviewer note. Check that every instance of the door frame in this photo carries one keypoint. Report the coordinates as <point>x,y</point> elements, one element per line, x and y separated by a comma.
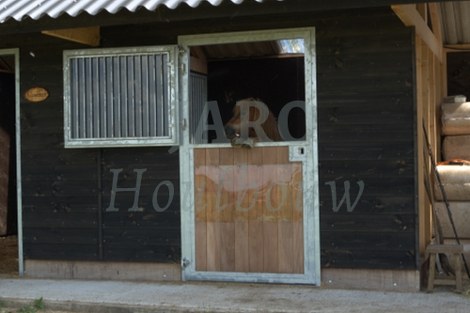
<point>311,206</point>
<point>15,53</point>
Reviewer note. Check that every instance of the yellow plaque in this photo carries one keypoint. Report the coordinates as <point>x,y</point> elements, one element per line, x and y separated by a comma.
<point>36,94</point>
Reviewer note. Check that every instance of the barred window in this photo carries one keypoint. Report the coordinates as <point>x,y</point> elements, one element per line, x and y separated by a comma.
<point>120,97</point>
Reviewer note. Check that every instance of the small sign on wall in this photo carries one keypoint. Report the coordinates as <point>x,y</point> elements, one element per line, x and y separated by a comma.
<point>36,94</point>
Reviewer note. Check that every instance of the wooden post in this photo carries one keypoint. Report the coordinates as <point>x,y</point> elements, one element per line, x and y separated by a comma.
<point>87,35</point>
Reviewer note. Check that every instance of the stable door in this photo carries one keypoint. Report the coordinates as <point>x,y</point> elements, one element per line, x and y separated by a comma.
<point>248,159</point>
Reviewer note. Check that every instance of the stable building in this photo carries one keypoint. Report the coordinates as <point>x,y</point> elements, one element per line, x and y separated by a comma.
<point>117,112</point>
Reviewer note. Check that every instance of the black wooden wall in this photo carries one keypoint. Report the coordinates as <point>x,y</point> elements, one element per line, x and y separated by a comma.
<point>66,191</point>
<point>366,136</point>
<point>366,139</point>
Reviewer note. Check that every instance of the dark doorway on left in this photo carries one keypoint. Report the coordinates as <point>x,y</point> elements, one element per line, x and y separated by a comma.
<point>8,186</point>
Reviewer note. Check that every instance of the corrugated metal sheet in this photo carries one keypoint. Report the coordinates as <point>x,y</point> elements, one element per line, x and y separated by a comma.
<point>456,22</point>
<point>19,9</point>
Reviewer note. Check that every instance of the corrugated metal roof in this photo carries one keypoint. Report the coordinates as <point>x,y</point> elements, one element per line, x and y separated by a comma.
<point>19,9</point>
<point>456,22</point>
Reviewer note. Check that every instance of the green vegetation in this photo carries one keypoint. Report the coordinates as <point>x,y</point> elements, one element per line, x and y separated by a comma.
<point>34,307</point>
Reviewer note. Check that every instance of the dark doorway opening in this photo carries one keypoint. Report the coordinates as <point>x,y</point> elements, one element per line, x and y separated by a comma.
<point>458,74</point>
<point>8,186</point>
<point>271,72</point>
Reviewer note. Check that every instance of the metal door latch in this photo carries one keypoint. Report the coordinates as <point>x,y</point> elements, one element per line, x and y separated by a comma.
<point>297,153</point>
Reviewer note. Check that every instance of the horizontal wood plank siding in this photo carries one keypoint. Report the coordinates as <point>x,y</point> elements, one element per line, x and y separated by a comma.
<point>365,130</point>
<point>61,187</point>
<point>149,235</point>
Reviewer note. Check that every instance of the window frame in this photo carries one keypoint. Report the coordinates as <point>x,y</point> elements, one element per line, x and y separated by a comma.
<point>105,142</point>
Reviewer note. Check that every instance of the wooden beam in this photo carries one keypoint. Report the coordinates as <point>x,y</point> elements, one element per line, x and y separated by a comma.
<point>436,20</point>
<point>86,35</point>
<point>410,16</point>
<point>461,47</point>
<point>198,60</point>
<point>422,10</point>
<point>198,65</point>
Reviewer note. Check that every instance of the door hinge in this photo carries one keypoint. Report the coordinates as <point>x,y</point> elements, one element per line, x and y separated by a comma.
<point>183,68</point>
<point>185,263</point>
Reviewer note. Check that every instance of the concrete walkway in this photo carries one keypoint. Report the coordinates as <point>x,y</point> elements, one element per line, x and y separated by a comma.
<point>126,297</point>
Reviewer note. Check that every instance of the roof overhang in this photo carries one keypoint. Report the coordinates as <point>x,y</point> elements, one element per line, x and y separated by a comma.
<point>456,24</point>
<point>20,10</point>
<point>444,26</point>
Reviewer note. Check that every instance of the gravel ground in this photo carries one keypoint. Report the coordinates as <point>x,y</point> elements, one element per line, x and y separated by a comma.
<point>119,297</point>
<point>132,297</point>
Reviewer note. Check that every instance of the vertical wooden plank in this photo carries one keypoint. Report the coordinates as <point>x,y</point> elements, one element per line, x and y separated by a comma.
<point>243,202</point>
<point>213,216</point>
<point>422,107</point>
<point>200,208</point>
<point>227,209</point>
<point>427,115</point>
<point>255,215</point>
<point>270,216</point>
<point>286,210</point>
<point>441,89</point>
<point>432,104</point>
<point>419,142</point>
<point>298,219</point>
<point>286,244</point>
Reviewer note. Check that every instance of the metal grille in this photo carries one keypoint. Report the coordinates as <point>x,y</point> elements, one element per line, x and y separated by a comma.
<point>119,97</point>
<point>197,102</point>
